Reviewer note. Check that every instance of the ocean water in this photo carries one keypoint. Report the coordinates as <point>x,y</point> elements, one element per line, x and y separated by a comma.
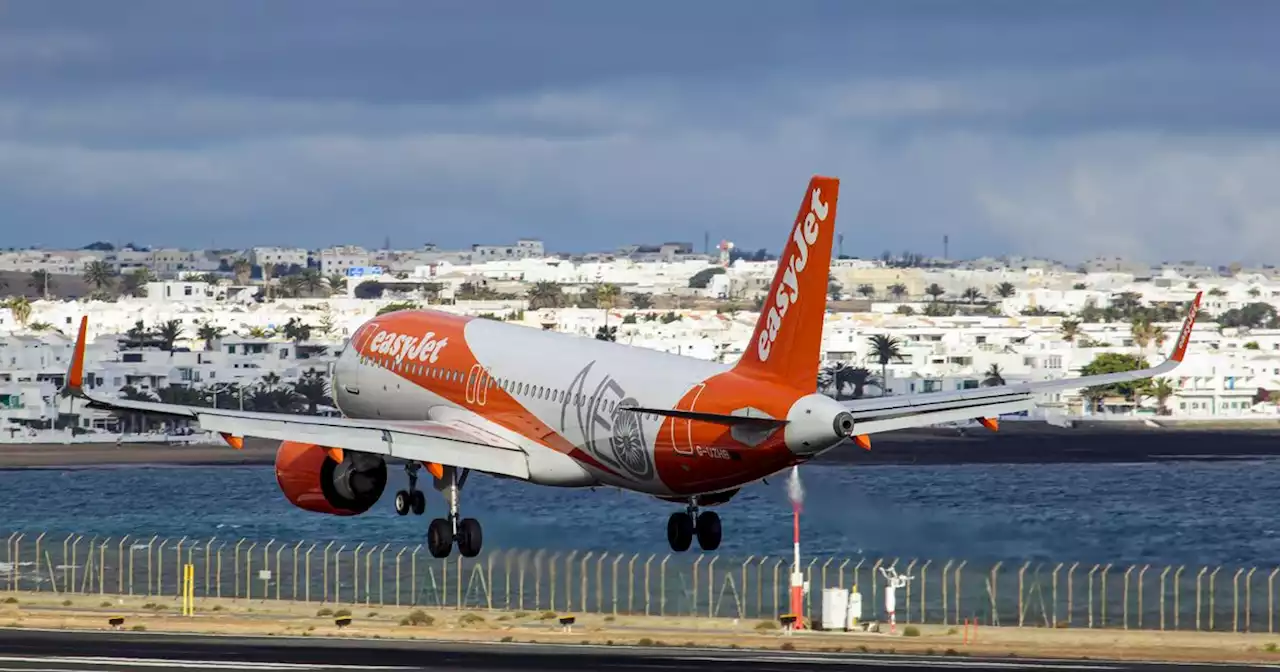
<point>1219,513</point>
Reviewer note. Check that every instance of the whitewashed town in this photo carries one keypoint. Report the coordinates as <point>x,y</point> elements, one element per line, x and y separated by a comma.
<point>259,328</point>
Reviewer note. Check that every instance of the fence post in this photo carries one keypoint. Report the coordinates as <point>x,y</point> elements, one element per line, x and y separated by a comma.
<point>16,565</point>
<point>120,565</point>
<point>924,575</point>
<point>760,585</point>
<point>324,580</point>
<point>279,577</point>
<point>711,584</point>
<point>945,570</point>
<point>662,586</point>
<point>293,589</point>
<point>1248,600</point>
<point>398,556</point>
<point>647,594</point>
<point>613,589</point>
<point>993,591</point>
<point>1271,613</point>
<point>1198,601</point>
<point>1071,572</point>
<point>1162,593</point>
<point>1141,573</point>
<point>1022,572</point>
<point>11,558</point>
<point>582,598</point>
<point>355,574</point>
<point>1235,600</point>
<point>1177,597</point>
<point>1124,596</point>
<point>208,556</point>
<point>1091,573</point>
<point>958,574</point>
<point>631,583</point>
<point>1212,595</point>
<point>1103,604</point>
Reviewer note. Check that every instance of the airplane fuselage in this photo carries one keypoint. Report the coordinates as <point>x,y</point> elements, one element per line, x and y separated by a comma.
<point>562,399</point>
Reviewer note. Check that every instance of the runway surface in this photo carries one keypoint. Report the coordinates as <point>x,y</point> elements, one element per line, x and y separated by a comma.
<point>82,651</point>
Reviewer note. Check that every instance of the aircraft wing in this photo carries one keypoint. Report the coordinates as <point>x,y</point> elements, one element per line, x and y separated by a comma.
<point>455,444</point>
<point>883,414</point>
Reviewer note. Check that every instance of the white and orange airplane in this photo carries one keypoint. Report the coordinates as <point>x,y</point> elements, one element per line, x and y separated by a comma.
<point>460,394</point>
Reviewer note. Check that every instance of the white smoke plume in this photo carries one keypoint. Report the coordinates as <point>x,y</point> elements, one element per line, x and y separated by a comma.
<point>795,491</point>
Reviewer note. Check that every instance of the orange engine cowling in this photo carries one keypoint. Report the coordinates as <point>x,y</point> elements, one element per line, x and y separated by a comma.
<point>311,480</point>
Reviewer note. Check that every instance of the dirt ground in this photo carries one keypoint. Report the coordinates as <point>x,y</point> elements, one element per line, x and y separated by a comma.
<point>226,616</point>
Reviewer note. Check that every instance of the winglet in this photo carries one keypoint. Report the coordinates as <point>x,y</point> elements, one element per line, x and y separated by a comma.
<point>1185,336</point>
<point>75,373</point>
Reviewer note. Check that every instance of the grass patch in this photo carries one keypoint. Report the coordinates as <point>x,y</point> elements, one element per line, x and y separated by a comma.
<point>766,625</point>
<point>547,615</point>
<point>325,611</point>
<point>470,619</point>
<point>66,603</point>
<point>787,646</point>
<point>644,641</point>
<point>139,628</point>
<point>10,600</point>
<point>342,613</point>
<point>911,631</point>
<point>520,614</point>
<point>507,639</point>
<point>418,617</point>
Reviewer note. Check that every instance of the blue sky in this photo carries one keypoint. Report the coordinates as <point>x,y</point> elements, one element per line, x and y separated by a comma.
<point>1062,129</point>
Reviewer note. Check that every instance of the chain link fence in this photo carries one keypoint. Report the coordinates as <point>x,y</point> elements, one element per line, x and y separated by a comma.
<point>1024,594</point>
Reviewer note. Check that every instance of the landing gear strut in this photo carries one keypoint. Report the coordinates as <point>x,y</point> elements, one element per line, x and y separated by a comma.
<point>683,526</point>
<point>411,499</point>
<point>443,532</point>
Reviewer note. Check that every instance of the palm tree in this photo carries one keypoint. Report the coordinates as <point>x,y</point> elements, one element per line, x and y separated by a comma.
<point>606,295</point>
<point>242,269</point>
<point>641,301</point>
<point>259,332</point>
<point>972,295</point>
<point>935,291</point>
<point>1159,336</point>
<point>1161,389</point>
<point>1143,332</point>
<point>544,294</point>
<point>42,282</point>
<point>607,333</point>
<point>20,308</point>
<point>296,330</point>
<point>291,286</point>
<point>898,290</point>
<point>169,332</point>
<point>337,282</point>
<point>135,282</point>
<point>1005,290</point>
<point>834,289</point>
<point>314,391</point>
<point>99,274</point>
<point>867,290</point>
<point>209,333</point>
<point>995,377</point>
<point>210,278</point>
<point>840,376</point>
<point>312,281</point>
<point>1070,330</point>
<point>885,349</point>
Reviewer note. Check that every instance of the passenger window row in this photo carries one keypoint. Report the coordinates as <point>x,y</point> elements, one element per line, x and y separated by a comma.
<point>513,387</point>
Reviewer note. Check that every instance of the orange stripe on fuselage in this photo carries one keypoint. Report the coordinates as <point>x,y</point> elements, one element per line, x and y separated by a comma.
<point>430,350</point>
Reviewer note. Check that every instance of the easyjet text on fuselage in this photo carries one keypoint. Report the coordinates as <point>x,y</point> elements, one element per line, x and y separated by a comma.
<point>425,348</point>
<point>788,291</point>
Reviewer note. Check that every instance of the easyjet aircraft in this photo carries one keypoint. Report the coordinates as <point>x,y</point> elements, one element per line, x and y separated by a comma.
<point>459,395</point>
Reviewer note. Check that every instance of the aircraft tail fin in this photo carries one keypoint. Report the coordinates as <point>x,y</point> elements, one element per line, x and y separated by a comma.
<point>787,342</point>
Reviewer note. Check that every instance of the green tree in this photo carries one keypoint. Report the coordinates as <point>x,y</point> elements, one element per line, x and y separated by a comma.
<point>994,377</point>
<point>99,274</point>
<point>1161,389</point>
<point>702,278</point>
<point>209,333</point>
<point>607,333</point>
<point>242,269</point>
<point>1005,290</point>
<point>20,308</point>
<point>839,377</point>
<point>641,301</point>
<point>43,282</point>
<point>898,291</point>
<point>885,349</point>
<point>544,294</point>
<point>396,306</point>
<point>314,391</point>
<point>134,283</point>
<point>1070,330</point>
<point>296,330</point>
<point>169,333</point>
<point>867,291</point>
<point>1115,362</point>
<point>972,295</point>
<point>935,291</point>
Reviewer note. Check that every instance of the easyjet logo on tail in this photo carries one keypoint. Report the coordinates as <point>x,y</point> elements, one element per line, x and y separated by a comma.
<point>423,348</point>
<point>788,292</point>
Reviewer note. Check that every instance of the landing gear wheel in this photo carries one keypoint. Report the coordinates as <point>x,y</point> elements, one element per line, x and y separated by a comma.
<point>402,502</point>
<point>680,531</point>
<point>417,502</point>
<point>470,537</point>
<point>708,528</point>
<point>439,538</point>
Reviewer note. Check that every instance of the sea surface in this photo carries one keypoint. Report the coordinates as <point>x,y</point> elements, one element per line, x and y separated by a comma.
<point>1181,512</point>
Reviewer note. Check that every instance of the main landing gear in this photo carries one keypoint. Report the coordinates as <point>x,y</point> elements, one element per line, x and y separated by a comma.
<point>683,526</point>
<point>411,499</point>
<point>443,532</point>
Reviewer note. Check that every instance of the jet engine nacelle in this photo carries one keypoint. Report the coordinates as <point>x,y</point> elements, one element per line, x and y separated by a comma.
<point>311,480</point>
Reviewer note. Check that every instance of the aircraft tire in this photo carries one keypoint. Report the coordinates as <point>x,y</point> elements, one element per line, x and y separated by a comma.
<point>470,537</point>
<point>439,538</point>
<point>417,502</point>
<point>708,530</point>
<point>402,502</point>
<point>680,531</point>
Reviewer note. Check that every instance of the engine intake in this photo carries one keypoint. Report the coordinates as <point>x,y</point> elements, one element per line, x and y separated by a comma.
<point>312,481</point>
